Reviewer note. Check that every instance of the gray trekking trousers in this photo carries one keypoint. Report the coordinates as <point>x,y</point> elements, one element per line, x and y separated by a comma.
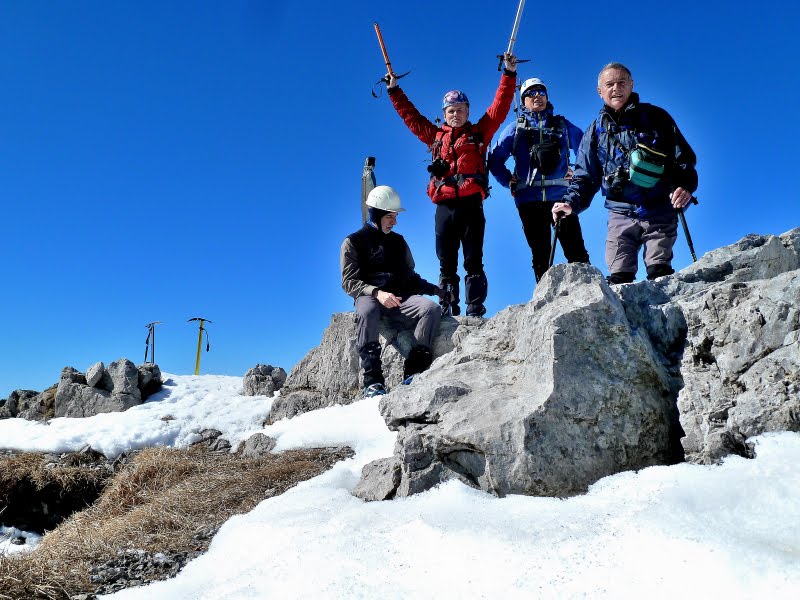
<point>425,312</point>
<point>627,235</point>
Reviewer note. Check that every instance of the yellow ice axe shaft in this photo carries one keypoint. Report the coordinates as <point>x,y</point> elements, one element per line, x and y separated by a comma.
<point>199,348</point>
<point>199,342</point>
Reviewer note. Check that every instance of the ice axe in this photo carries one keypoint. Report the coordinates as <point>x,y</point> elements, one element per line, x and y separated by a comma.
<point>513,39</point>
<point>559,216</point>
<point>389,70</point>
<point>681,216</point>
<point>200,341</point>
<point>150,342</point>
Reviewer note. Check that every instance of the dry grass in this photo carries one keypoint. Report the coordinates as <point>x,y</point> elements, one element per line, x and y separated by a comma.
<point>157,503</point>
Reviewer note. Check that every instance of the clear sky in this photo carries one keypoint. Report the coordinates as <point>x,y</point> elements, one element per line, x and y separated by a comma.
<point>172,159</point>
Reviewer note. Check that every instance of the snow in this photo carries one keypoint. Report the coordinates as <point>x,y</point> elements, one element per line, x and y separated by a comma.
<point>691,531</point>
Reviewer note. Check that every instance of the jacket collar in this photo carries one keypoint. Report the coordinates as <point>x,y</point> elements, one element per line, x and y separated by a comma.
<point>534,116</point>
<point>631,105</point>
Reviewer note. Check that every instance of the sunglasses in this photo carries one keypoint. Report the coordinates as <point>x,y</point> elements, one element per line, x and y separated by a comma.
<point>531,93</point>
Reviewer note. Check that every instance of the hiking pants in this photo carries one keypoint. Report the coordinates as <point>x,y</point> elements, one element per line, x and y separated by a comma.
<point>425,312</point>
<point>537,223</point>
<point>627,235</point>
<point>461,222</point>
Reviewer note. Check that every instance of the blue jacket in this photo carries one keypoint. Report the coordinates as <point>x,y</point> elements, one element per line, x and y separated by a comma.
<point>605,148</point>
<point>531,128</point>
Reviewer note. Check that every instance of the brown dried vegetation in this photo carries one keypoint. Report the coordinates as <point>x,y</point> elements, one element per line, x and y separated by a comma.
<point>158,502</point>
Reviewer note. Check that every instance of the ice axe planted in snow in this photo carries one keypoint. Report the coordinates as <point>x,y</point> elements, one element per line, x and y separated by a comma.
<point>200,341</point>
<point>150,342</point>
<point>513,39</point>
<point>389,70</point>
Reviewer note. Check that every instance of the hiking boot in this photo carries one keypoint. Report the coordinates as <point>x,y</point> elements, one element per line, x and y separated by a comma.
<point>476,310</point>
<point>418,360</point>
<point>451,310</point>
<point>376,389</point>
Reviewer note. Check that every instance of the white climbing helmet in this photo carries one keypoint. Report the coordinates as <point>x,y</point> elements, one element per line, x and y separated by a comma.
<point>385,198</point>
<point>528,84</point>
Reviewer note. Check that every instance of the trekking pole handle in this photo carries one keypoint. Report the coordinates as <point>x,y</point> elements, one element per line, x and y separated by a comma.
<point>383,49</point>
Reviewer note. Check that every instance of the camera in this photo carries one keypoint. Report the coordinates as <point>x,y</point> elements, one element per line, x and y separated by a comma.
<point>439,168</point>
<point>616,181</point>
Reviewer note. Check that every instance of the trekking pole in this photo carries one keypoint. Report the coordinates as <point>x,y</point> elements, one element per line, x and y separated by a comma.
<point>150,342</point>
<point>555,239</point>
<point>200,341</point>
<point>513,39</point>
<point>389,70</point>
<point>682,217</point>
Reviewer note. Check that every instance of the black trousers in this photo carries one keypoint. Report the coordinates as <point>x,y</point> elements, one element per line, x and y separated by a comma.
<point>461,223</point>
<point>537,223</point>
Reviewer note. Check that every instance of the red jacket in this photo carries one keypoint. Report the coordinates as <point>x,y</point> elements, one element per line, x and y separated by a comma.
<point>463,148</point>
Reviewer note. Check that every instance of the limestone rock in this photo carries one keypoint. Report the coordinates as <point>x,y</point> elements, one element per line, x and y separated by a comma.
<point>29,404</point>
<point>257,444</point>
<point>379,480</point>
<point>149,379</point>
<point>95,373</point>
<point>330,374</point>
<point>545,399</point>
<point>263,380</point>
<point>586,380</point>
<point>117,390</point>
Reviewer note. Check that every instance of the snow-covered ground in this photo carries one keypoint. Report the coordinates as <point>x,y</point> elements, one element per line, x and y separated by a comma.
<point>688,531</point>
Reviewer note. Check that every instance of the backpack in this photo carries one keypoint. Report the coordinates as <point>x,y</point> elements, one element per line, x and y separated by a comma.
<point>646,165</point>
<point>545,153</point>
<point>440,167</point>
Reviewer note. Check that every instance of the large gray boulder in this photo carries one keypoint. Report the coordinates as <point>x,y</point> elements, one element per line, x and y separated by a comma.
<point>330,373</point>
<point>263,380</point>
<point>116,388</point>
<point>585,380</point>
<point>545,399</point>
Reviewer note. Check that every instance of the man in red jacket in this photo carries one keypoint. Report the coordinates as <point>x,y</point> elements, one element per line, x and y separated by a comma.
<point>459,181</point>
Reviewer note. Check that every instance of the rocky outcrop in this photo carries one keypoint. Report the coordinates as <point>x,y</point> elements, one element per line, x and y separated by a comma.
<point>330,374</point>
<point>100,390</point>
<point>263,380</point>
<point>741,364</point>
<point>29,404</point>
<point>586,380</point>
<point>116,388</point>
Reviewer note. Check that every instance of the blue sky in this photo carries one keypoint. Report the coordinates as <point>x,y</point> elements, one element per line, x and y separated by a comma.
<point>165,160</point>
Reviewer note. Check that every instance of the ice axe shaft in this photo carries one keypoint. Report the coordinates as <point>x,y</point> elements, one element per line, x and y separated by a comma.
<point>383,50</point>
<point>555,240</point>
<point>514,31</point>
<point>200,342</point>
<point>513,38</point>
<point>389,70</point>
<point>688,235</point>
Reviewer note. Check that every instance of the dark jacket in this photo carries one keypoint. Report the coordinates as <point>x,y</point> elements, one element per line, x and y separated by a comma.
<point>517,138</point>
<point>606,146</point>
<point>464,149</point>
<point>371,259</point>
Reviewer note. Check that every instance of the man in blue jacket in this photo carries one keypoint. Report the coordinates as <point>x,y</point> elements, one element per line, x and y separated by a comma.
<point>636,155</point>
<point>540,142</point>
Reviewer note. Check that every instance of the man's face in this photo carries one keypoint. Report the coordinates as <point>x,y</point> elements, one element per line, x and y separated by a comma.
<point>536,102</point>
<point>615,88</point>
<point>456,115</point>
<point>388,221</point>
